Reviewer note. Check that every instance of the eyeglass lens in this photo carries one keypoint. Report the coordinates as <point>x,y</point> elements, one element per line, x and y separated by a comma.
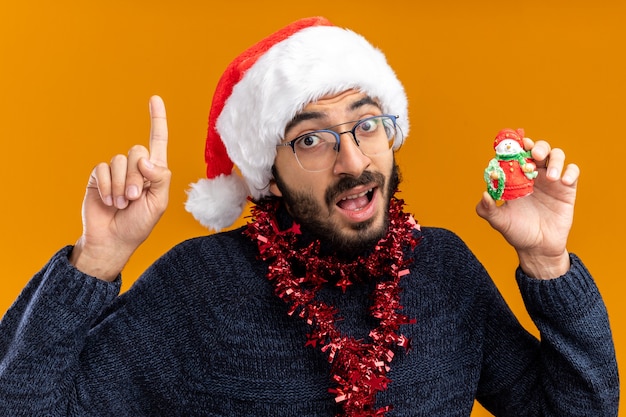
<point>317,150</point>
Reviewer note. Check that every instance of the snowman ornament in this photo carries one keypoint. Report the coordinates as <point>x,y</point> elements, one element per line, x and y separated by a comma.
<point>511,173</point>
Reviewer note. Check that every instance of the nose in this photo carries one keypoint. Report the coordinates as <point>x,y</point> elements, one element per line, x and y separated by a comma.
<point>350,160</point>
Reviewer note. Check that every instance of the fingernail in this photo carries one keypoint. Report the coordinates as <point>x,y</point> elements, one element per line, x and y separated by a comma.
<point>149,164</point>
<point>121,202</point>
<point>108,200</point>
<point>552,173</point>
<point>132,191</point>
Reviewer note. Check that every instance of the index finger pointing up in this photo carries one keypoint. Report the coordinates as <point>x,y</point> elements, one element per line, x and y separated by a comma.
<point>158,132</point>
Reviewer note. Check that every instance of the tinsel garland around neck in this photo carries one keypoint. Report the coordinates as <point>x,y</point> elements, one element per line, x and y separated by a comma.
<point>358,367</point>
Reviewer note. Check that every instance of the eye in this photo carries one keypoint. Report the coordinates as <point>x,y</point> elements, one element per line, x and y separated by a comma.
<point>368,126</point>
<point>309,141</point>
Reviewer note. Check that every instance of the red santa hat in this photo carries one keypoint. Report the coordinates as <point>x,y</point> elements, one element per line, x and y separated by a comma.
<point>515,134</point>
<point>259,94</point>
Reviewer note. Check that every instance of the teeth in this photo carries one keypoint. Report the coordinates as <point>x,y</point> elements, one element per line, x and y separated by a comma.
<point>352,197</point>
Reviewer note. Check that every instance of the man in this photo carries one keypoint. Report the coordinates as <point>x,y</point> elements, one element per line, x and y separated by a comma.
<point>332,300</point>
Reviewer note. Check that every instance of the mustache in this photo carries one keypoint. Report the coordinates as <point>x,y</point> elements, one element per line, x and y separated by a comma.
<point>347,183</point>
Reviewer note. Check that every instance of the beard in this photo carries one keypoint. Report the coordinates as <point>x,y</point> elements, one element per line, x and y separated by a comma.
<point>309,213</point>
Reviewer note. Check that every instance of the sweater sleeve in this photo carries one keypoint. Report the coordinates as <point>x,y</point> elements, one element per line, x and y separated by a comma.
<point>572,370</point>
<point>42,335</point>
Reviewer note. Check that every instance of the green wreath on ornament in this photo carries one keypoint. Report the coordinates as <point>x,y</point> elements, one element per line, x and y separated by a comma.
<point>495,192</point>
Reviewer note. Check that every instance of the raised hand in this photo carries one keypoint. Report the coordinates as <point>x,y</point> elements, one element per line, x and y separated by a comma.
<point>123,202</point>
<point>538,225</point>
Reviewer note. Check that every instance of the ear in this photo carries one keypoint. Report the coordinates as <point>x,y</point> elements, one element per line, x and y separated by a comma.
<point>274,190</point>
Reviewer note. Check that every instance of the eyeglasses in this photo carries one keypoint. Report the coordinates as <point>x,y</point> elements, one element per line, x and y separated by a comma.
<point>317,150</point>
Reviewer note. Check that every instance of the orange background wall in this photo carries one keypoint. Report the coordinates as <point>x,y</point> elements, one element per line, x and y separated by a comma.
<point>75,78</point>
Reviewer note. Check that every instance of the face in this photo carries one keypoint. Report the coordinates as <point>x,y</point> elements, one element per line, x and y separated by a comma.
<point>347,204</point>
<point>508,147</point>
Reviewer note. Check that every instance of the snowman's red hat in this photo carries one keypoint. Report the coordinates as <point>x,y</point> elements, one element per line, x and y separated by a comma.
<point>515,134</point>
<point>262,90</point>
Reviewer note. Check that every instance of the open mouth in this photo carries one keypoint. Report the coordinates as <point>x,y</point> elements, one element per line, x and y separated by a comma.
<point>356,201</point>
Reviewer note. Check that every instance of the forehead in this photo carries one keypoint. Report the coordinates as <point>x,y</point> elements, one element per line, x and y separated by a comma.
<point>333,106</point>
<point>348,100</point>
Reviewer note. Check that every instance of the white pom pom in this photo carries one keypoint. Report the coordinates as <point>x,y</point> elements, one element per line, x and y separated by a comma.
<point>216,203</point>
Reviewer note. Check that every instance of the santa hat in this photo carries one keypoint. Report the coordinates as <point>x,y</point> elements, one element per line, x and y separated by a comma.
<point>259,94</point>
<point>515,134</point>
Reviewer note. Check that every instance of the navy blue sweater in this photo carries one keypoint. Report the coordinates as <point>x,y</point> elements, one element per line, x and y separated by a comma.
<point>201,333</point>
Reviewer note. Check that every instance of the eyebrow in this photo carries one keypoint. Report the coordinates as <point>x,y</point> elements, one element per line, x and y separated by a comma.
<point>314,115</point>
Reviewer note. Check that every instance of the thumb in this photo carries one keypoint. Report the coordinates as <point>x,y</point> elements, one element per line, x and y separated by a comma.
<point>158,176</point>
<point>487,209</point>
